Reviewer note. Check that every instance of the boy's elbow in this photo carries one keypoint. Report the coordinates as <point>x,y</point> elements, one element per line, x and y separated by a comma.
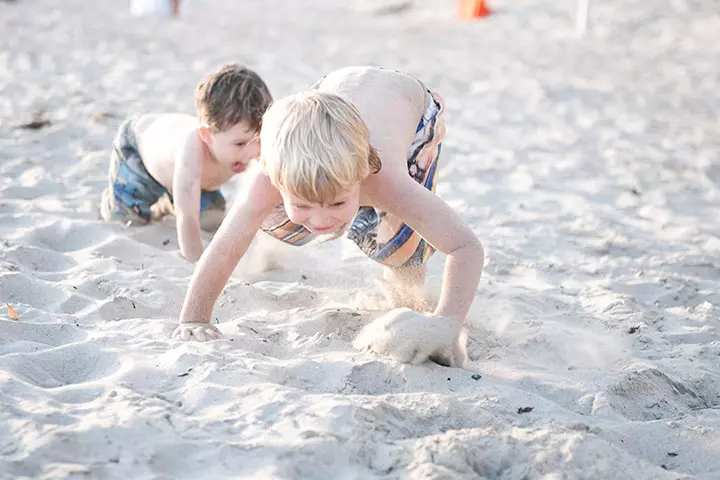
<point>478,246</point>
<point>475,250</point>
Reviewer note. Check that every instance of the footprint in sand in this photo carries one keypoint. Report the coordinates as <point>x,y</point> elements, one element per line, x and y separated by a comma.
<point>36,259</point>
<point>54,367</point>
<point>66,235</point>
<point>20,337</point>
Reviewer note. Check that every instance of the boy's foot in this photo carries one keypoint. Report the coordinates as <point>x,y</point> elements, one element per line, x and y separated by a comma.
<point>111,210</point>
<point>161,208</point>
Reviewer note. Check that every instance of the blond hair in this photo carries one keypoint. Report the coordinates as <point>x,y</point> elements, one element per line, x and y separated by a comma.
<point>315,145</point>
<point>230,95</point>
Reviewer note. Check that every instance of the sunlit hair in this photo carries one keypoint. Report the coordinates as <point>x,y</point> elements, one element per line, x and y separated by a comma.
<point>315,146</point>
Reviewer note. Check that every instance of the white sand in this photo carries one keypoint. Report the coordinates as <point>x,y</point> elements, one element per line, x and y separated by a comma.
<point>588,167</point>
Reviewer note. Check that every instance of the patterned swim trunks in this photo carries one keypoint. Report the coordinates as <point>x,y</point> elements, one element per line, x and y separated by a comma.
<point>381,236</point>
<point>132,190</point>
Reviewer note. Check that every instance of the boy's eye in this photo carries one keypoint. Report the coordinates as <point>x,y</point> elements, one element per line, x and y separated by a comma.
<point>240,144</point>
<point>338,204</point>
<point>301,207</point>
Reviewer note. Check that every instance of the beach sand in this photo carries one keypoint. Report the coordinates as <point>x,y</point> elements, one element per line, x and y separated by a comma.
<point>589,167</point>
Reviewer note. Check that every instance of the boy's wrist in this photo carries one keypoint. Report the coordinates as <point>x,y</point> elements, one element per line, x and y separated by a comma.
<point>449,316</point>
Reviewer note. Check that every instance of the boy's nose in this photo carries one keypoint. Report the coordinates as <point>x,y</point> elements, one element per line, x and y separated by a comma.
<point>321,220</point>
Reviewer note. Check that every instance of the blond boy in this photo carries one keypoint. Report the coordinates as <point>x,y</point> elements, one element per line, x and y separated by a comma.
<point>357,154</point>
<point>175,163</point>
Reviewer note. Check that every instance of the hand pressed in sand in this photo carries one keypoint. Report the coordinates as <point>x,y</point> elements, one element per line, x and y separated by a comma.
<point>199,331</point>
<point>411,337</point>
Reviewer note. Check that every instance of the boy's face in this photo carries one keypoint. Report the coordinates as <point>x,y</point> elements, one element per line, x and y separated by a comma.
<point>323,219</point>
<point>236,147</point>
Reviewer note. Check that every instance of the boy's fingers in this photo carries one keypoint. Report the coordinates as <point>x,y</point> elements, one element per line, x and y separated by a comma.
<point>200,334</point>
<point>185,334</point>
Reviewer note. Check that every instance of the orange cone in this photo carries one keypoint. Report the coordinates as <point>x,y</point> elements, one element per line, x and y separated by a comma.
<point>470,9</point>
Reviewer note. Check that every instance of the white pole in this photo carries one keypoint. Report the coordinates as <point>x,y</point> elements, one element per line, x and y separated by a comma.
<point>583,16</point>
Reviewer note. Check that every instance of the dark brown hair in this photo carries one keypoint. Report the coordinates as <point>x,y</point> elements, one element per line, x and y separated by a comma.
<point>231,95</point>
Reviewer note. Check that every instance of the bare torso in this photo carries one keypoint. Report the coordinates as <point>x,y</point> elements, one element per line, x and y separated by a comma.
<point>164,138</point>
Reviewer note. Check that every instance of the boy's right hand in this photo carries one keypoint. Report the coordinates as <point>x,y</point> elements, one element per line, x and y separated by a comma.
<point>199,331</point>
<point>412,337</point>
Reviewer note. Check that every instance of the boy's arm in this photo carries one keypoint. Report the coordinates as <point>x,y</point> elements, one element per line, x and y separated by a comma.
<point>226,249</point>
<point>439,225</point>
<point>186,199</point>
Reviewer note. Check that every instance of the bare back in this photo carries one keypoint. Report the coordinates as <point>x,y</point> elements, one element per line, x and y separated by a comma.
<point>165,138</point>
<point>391,104</point>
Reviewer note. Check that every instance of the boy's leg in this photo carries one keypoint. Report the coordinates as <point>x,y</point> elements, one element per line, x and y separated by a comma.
<point>403,255</point>
<point>131,190</point>
<point>405,287</point>
<point>110,208</point>
<point>406,277</point>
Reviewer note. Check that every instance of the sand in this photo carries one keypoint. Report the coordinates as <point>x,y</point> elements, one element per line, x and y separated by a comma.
<point>587,165</point>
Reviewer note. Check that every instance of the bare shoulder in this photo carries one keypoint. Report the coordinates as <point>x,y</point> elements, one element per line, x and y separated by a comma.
<point>167,141</point>
<point>153,126</point>
<point>166,132</point>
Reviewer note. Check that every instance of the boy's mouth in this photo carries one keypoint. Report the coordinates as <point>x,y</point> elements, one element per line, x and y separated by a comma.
<point>327,229</point>
<point>239,167</point>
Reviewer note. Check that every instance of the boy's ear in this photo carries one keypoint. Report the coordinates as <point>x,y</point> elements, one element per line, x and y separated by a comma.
<point>205,134</point>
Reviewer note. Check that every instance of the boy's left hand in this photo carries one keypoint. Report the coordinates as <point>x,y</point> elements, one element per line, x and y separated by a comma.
<point>412,337</point>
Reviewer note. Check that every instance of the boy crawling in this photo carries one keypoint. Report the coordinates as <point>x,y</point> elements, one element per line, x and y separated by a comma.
<point>175,163</point>
<point>357,155</point>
